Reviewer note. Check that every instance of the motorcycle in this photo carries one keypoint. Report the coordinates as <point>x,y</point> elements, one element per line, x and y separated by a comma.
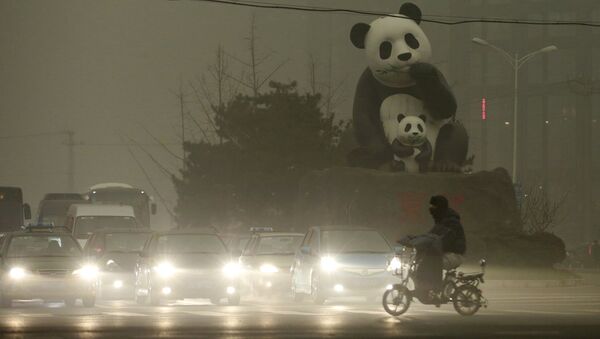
<point>460,289</point>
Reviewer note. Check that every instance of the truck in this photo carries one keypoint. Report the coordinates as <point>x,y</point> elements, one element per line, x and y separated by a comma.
<point>13,211</point>
<point>124,194</point>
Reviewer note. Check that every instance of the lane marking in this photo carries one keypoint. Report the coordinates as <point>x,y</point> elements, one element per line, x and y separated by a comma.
<point>208,313</point>
<point>540,312</point>
<point>125,314</point>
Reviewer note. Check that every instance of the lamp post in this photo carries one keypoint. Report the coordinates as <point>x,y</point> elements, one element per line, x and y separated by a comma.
<point>516,62</point>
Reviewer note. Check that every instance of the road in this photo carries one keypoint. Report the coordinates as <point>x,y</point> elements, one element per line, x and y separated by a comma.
<point>547,312</point>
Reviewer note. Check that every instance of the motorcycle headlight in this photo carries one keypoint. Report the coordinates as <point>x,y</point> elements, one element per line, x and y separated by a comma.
<point>395,264</point>
<point>268,268</point>
<point>328,264</point>
<point>232,270</point>
<point>87,272</point>
<point>16,273</point>
<point>164,269</point>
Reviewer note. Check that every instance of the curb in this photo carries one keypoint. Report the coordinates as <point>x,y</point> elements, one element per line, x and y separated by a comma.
<point>534,283</point>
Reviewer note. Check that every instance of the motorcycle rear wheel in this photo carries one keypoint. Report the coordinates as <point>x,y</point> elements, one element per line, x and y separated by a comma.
<point>396,301</point>
<point>467,300</point>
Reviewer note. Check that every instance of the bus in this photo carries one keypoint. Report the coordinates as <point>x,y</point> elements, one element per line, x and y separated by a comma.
<point>124,194</point>
<point>53,208</point>
<point>13,211</point>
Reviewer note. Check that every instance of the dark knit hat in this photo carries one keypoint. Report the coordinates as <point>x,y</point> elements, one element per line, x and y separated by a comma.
<point>439,201</point>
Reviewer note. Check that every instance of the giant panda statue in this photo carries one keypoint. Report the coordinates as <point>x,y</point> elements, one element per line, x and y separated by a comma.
<point>399,80</point>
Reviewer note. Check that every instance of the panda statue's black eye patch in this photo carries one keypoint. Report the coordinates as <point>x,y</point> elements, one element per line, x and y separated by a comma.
<point>407,127</point>
<point>420,128</point>
<point>385,50</point>
<point>411,41</point>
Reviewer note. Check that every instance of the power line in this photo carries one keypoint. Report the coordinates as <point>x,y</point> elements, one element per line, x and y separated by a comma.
<point>466,20</point>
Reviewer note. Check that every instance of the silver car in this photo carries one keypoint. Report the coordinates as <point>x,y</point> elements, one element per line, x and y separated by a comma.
<point>336,261</point>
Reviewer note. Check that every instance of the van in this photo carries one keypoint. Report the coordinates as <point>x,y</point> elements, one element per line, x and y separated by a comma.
<point>85,219</point>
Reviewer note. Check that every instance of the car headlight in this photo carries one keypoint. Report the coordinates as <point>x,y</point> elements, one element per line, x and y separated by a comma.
<point>164,269</point>
<point>16,273</point>
<point>232,270</point>
<point>395,264</point>
<point>328,264</point>
<point>268,268</point>
<point>87,272</point>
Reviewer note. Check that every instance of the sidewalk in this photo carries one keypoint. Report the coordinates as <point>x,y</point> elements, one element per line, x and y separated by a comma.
<point>503,277</point>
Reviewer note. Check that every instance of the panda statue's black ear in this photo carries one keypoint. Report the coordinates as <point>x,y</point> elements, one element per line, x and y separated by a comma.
<point>411,11</point>
<point>423,117</point>
<point>358,34</point>
<point>400,117</point>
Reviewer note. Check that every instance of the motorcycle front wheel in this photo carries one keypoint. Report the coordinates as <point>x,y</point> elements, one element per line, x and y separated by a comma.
<point>467,300</point>
<point>396,300</point>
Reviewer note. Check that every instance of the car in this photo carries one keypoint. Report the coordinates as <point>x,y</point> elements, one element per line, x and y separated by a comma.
<point>116,252</point>
<point>335,261</point>
<point>186,263</point>
<point>85,219</point>
<point>267,259</point>
<point>236,242</point>
<point>45,263</point>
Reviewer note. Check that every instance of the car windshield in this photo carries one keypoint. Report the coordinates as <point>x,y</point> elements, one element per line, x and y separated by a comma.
<point>190,243</point>
<point>43,246</point>
<point>278,245</point>
<point>85,226</point>
<point>354,241</point>
<point>125,242</point>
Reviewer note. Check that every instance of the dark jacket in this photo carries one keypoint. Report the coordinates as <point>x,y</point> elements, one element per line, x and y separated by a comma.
<point>451,231</point>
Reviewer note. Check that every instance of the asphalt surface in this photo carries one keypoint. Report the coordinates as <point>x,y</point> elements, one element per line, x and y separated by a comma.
<point>544,312</point>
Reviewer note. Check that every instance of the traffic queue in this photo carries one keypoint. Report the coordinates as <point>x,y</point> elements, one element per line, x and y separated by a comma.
<point>101,250</point>
<point>47,262</point>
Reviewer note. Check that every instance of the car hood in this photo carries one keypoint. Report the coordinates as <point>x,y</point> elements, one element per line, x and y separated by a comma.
<point>196,260</point>
<point>45,263</point>
<point>362,260</point>
<point>125,260</point>
<point>278,260</point>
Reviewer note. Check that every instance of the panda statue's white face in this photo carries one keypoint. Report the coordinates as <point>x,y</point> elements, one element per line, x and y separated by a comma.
<point>411,130</point>
<point>392,44</point>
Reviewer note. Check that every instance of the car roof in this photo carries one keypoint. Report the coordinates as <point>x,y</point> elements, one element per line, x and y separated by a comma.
<point>44,233</point>
<point>195,230</point>
<point>279,234</point>
<point>124,230</point>
<point>344,228</point>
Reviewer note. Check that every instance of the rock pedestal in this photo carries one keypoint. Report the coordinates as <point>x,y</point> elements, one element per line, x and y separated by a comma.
<point>397,203</point>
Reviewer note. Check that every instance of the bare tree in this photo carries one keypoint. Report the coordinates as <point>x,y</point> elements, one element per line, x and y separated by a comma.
<point>253,78</point>
<point>539,212</point>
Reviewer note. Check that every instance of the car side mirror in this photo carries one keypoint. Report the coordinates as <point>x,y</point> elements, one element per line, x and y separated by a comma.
<point>26,211</point>
<point>305,250</point>
<point>153,208</point>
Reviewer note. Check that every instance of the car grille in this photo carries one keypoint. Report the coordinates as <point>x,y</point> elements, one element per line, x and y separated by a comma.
<point>54,272</point>
<point>363,271</point>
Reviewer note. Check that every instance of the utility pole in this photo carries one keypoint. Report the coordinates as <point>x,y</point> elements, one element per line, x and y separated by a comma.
<point>180,96</point>
<point>70,143</point>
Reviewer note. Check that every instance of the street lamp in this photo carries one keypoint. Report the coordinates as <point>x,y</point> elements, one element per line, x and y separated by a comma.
<point>516,63</point>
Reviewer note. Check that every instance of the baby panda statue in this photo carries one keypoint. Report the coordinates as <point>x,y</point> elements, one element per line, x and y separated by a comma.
<point>412,150</point>
<point>400,79</point>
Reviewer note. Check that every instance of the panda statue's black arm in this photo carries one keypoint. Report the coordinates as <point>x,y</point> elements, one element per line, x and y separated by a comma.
<point>402,151</point>
<point>365,117</point>
<point>424,158</point>
<point>433,89</point>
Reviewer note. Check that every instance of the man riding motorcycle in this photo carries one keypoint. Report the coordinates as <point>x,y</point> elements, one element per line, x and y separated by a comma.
<point>441,248</point>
